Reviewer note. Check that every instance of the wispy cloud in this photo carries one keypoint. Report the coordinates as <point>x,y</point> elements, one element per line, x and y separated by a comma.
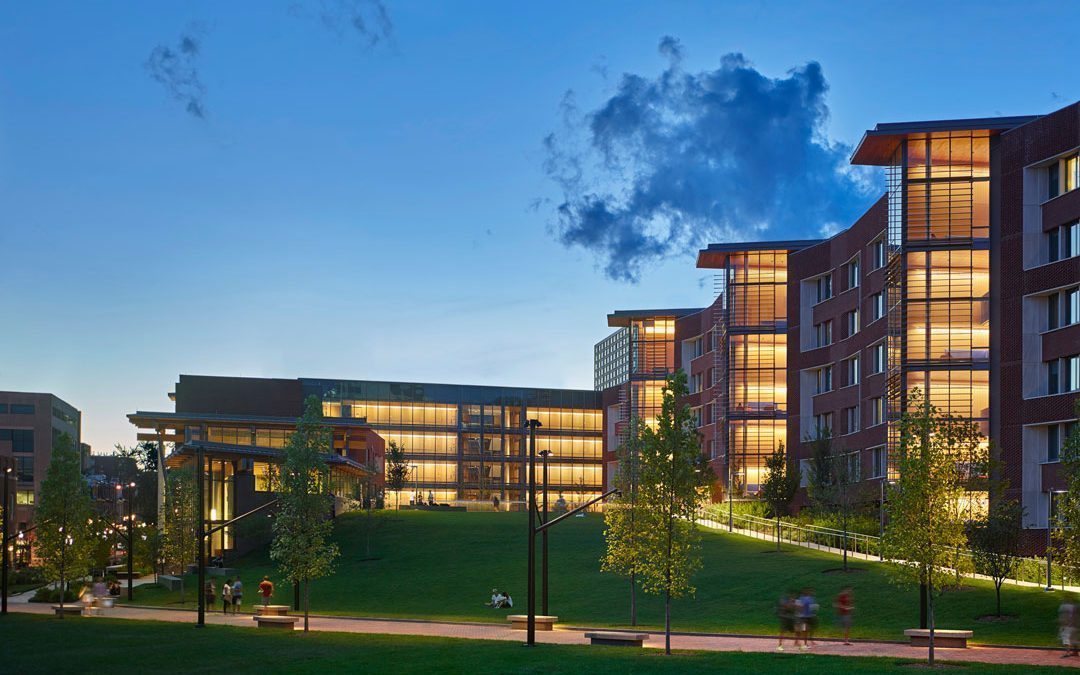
<point>366,20</point>
<point>175,67</point>
<point>670,162</point>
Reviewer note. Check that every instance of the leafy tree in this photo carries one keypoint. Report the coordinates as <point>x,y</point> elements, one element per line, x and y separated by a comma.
<point>150,550</point>
<point>939,456</point>
<point>779,487</point>
<point>180,545</point>
<point>623,517</point>
<point>671,486</point>
<point>995,542</point>
<point>65,515</point>
<point>820,478</point>
<point>1066,535</point>
<point>302,527</point>
<point>397,469</point>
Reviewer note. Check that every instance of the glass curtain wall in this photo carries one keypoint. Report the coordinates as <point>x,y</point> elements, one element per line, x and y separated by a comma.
<point>468,444</point>
<point>939,272</point>
<point>754,345</point>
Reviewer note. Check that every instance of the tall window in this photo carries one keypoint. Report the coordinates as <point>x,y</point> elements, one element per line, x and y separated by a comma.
<point>879,461</point>
<point>877,358</point>
<point>824,287</point>
<point>850,371</point>
<point>1053,443</point>
<point>823,334</point>
<point>1053,302</point>
<point>22,440</point>
<point>823,423</point>
<point>851,419</point>
<point>1062,176</point>
<point>824,379</point>
<point>851,323</point>
<point>877,306</point>
<point>877,410</point>
<point>878,257</point>
<point>853,274</point>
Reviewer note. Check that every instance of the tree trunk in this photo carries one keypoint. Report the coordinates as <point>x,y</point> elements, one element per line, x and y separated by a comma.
<point>307,602</point>
<point>667,619</point>
<point>633,599</point>
<point>997,589</point>
<point>930,616</point>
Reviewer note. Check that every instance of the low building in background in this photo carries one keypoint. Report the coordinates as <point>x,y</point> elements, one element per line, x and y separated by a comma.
<point>465,445</point>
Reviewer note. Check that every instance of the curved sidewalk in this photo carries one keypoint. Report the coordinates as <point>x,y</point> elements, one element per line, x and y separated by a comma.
<point>484,631</point>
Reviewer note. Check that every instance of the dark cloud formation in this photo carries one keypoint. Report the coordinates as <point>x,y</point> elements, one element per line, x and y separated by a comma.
<point>366,20</point>
<point>176,68</point>
<point>669,163</point>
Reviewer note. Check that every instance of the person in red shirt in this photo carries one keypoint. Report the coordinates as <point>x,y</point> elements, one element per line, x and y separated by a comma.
<point>266,587</point>
<point>845,605</point>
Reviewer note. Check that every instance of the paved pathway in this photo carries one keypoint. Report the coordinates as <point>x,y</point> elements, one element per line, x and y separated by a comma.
<point>480,631</point>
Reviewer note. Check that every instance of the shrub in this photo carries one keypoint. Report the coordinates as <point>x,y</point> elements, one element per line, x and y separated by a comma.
<point>46,594</point>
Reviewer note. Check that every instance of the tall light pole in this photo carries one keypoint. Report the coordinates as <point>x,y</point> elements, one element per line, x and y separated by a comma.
<point>4,539</point>
<point>530,637</point>
<point>544,541</point>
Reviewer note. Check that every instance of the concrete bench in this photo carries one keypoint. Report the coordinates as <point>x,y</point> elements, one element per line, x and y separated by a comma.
<point>521,621</point>
<point>272,610</point>
<point>278,622</point>
<point>171,583</point>
<point>68,610</point>
<point>617,638</point>
<point>920,637</point>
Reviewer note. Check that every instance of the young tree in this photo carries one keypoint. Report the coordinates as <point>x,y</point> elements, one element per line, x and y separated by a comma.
<point>671,486</point>
<point>397,469</point>
<point>779,487</point>
<point>181,545</point>
<point>623,517</point>
<point>65,535</point>
<point>820,478</point>
<point>302,526</point>
<point>1066,534</point>
<point>995,542</point>
<point>939,456</point>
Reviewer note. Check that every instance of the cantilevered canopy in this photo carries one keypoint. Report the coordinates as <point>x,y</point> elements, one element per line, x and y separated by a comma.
<point>878,144</point>
<point>716,255</point>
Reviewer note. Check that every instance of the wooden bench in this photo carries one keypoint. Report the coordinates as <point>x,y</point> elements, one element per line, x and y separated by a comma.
<point>521,621</point>
<point>68,610</point>
<point>617,638</point>
<point>278,622</point>
<point>920,637</point>
<point>272,610</point>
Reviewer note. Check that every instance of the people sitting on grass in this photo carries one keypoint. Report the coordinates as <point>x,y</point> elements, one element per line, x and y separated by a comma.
<point>499,600</point>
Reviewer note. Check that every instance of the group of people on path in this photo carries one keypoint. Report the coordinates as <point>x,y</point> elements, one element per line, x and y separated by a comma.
<point>798,615</point>
<point>232,593</point>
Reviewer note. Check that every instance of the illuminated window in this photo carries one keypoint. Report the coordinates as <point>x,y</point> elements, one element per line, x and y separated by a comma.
<point>262,476</point>
<point>24,497</point>
<point>877,410</point>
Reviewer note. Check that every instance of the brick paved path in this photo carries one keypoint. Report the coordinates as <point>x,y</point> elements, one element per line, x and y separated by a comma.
<point>483,631</point>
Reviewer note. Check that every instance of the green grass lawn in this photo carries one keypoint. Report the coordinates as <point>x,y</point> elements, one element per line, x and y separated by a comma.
<point>34,644</point>
<point>444,565</point>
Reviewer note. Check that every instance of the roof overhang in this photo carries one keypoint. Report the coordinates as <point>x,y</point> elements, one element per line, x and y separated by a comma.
<point>879,144</point>
<point>230,451</point>
<point>171,420</point>
<point>716,255</point>
<point>623,317</point>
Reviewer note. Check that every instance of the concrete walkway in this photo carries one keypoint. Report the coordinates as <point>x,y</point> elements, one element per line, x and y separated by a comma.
<point>481,631</point>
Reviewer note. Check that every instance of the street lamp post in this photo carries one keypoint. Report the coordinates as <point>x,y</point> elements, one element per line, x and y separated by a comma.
<point>4,539</point>
<point>544,541</point>
<point>530,633</point>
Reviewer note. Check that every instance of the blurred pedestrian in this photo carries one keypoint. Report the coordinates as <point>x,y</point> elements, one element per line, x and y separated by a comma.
<point>785,613</point>
<point>845,605</point>
<point>226,596</point>
<point>208,594</point>
<point>1067,625</point>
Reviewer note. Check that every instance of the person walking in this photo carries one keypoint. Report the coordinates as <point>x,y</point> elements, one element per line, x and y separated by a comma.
<point>845,605</point>
<point>785,613</point>
<point>208,594</point>
<point>806,618</point>
<point>226,596</point>
<point>1067,626</point>
<point>266,589</point>
<point>237,594</point>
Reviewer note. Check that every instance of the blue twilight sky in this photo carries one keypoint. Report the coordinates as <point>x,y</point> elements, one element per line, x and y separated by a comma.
<point>374,204</point>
